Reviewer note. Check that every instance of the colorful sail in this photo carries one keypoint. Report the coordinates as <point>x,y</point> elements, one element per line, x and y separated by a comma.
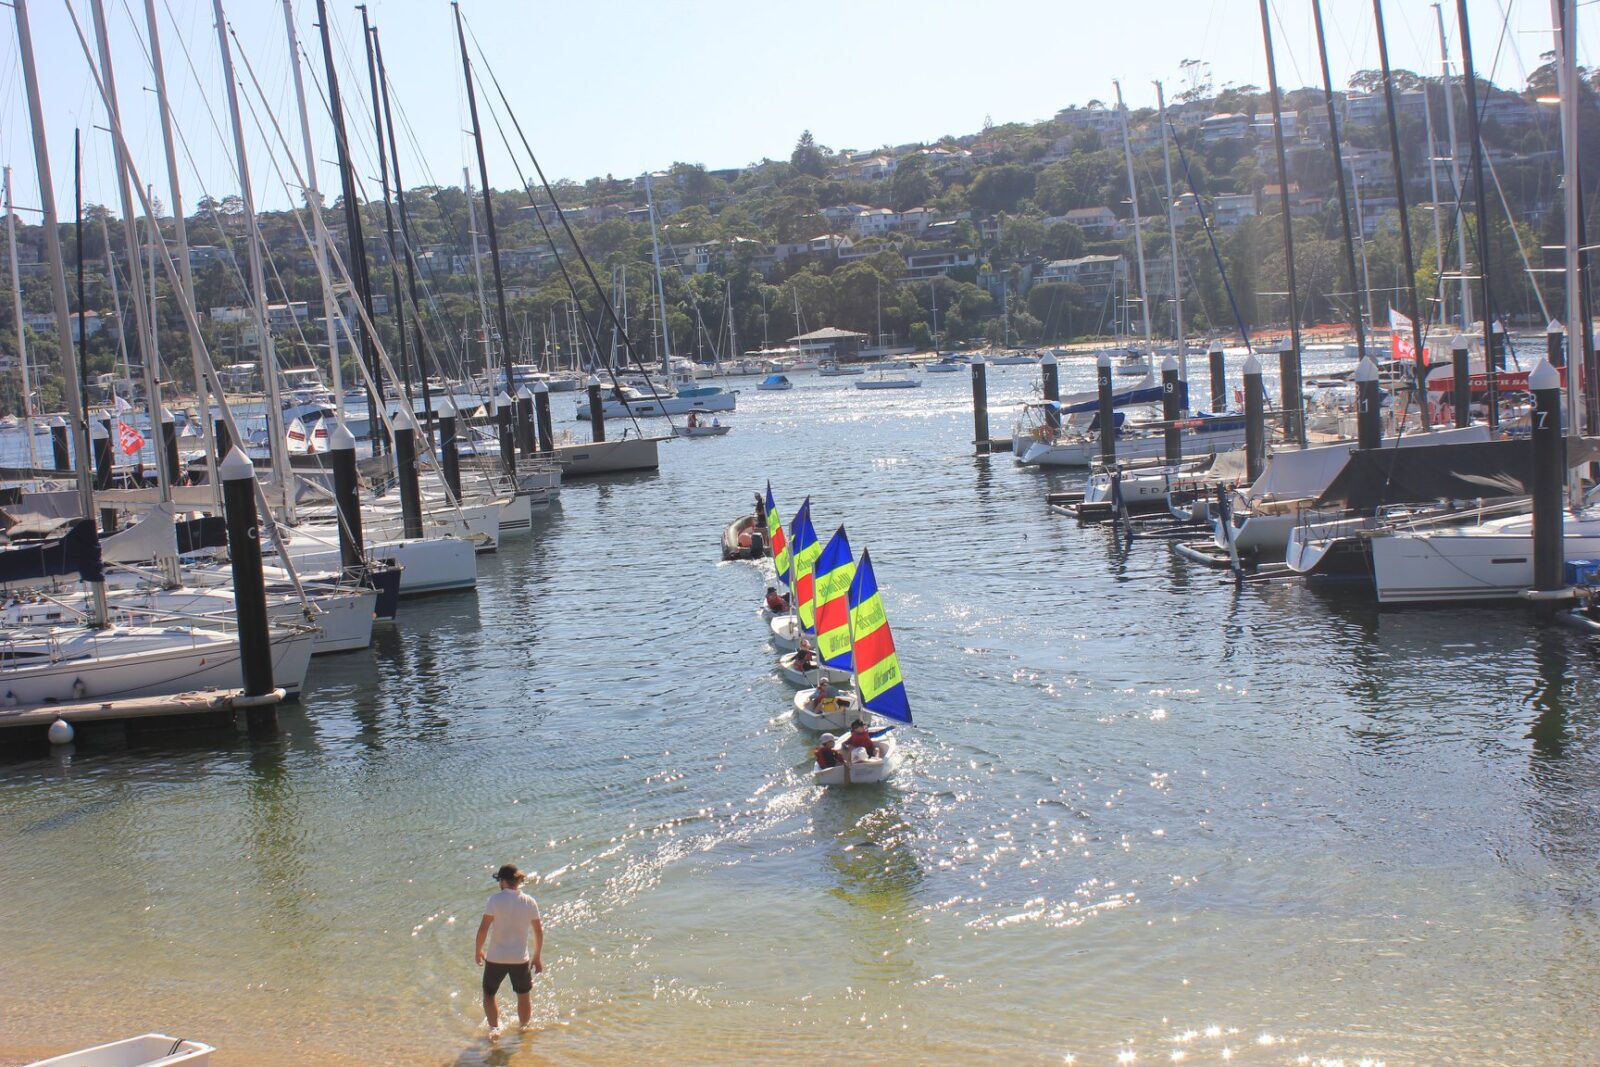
<point>835,569</point>
<point>877,667</point>
<point>803,543</point>
<point>777,540</point>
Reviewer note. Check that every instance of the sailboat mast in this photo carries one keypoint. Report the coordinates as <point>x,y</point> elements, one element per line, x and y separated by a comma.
<point>1433,194</point>
<point>22,330</point>
<point>1491,358</point>
<point>1455,174</point>
<point>488,206</point>
<point>277,440</point>
<point>1172,239</point>
<point>1406,252</point>
<point>369,35</point>
<point>477,271</point>
<point>58,288</point>
<point>1283,194</point>
<point>1133,199</point>
<point>130,240</point>
<point>661,293</point>
<point>313,204</point>
<point>1338,174</point>
<point>357,259</point>
<point>1567,83</point>
<point>1361,247</point>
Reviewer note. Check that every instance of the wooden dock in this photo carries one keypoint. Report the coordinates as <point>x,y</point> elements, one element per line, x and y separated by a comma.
<point>201,702</point>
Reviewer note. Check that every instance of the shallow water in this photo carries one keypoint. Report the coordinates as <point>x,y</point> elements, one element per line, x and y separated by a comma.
<point>1144,817</point>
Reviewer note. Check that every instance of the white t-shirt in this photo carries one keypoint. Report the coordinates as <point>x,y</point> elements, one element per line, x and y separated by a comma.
<point>514,913</point>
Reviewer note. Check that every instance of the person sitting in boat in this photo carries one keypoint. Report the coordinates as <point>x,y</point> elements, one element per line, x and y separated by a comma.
<point>716,422</point>
<point>693,423</point>
<point>822,698</point>
<point>828,754</point>
<point>777,602</point>
<point>804,657</point>
<point>861,740</point>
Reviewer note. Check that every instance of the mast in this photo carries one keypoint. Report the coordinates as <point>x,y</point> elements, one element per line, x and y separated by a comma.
<point>1338,173</point>
<point>488,205</point>
<point>1172,237</point>
<point>22,330</point>
<point>353,235</point>
<point>1283,195</point>
<point>1433,192</point>
<point>1455,175</point>
<point>1138,230</point>
<point>477,271</point>
<point>277,442</point>
<point>1565,12</point>
<point>58,289</point>
<point>369,35</point>
<point>933,305</point>
<point>130,240</point>
<point>314,204</point>
<point>1406,252</point>
<point>1491,358</point>
<point>1361,248</point>
<point>661,292</point>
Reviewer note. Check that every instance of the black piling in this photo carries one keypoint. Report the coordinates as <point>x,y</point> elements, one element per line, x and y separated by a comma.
<point>1219,379</point>
<point>508,447</point>
<point>100,435</point>
<point>405,461</point>
<point>1554,350</point>
<point>1460,355</point>
<point>238,476</point>
<point>1289,399</point>
<point>1369,406</point>
<point>59,450</point>
<point>526,442</point>
<point>1494,361</point>
<point>1049,366</point>
<point>346,495</point>
<point>450,448</point>
<point>1107,411</point>
<point>169,446</point>
<point>1171,406</point>
<point>223,438</point>
<point>1549,470</point>
<point>541,407</point>
<point>1255,425</point>
<point>980,406</point>
<point>597,412</point>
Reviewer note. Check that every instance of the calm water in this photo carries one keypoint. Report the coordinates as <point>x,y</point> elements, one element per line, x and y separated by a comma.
<point>1144,818</point>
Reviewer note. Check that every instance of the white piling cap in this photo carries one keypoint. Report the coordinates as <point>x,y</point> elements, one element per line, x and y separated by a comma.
<point>1216,346</point>
<point>1252,365</point>
<point>1459,343</point>
<point>1366,370</point>
<point>1544,376</point>
<point>340,439</point>
<point>405,420</point>
<point>1286,345</point>
<point>57,420</point>
<point>540,387</point>
<point>236,466</point>
<point>502,401</point>
<point>167,415</point>
<point>447,410</point>
<point>97,430</point>
<point>1554,326</point>
<point>524,393</point>
<point>979,361</point>
<point>1170,363</point>
<point>1049,360</point>
<point>1103,359</point>
<point>594,380</point>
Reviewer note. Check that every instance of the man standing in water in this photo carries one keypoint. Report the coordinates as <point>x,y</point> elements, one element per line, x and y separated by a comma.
<point>508,918</point>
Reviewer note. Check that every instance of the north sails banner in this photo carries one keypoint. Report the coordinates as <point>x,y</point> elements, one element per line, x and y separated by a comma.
<point>836,568</point>
<point>877,667</point>
<point>803,543</point>
<point>777,541</point>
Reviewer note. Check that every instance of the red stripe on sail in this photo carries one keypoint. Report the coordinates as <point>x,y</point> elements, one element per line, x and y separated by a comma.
<point>873,647</point>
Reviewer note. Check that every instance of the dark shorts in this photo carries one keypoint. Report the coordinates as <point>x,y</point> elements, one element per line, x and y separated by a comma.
<point>521,975</point>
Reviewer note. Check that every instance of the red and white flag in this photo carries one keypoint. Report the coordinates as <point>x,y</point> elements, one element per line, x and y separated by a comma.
<point>130,440</point>
<point>1401,345</point>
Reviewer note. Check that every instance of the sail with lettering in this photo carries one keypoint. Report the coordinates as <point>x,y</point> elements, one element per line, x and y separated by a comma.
<point>803,543</point>
<point>878,679</point>
<point>835,571</point>
<point>777,540</point>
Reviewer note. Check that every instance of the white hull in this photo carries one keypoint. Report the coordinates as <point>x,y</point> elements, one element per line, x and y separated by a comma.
<point>808,679</point>
<point>865,770</point>
<point>652,407</point>
<point>1491,561</point>
<point>835,721</point>
<point>785,633</point>
<point>889,383</point>
<point>150,1050</point>
<point>477,523</point>
<point>1085,451</point>
<point>429,565</point>
<point>608,457</point>
<point>122,662</point>
<point>700,431</point>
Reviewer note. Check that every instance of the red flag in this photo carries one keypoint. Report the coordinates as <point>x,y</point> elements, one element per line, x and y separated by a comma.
<point>131,440</point>
<point>1401,345</point>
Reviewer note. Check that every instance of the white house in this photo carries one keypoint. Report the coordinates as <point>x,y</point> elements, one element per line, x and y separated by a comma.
<point>1225,127</point>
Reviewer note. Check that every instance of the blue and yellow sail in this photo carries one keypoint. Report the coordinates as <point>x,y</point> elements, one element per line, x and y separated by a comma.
<point>878,678</point>
<point>776,539</point>
<point>803,543</point>
<point>835,570</point>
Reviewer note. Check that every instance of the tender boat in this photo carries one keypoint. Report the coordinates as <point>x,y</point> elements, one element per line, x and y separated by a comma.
<point>702,430</point>
<point>738,539</point>
<point>884,382</point>
<point>774,383</point>
<point>149,1050</point>
<point>947,365</point>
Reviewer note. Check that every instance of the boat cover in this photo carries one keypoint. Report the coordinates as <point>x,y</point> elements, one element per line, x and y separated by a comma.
<point>1378,477</point>
<point>77,551</point>
<point>1308,472</point>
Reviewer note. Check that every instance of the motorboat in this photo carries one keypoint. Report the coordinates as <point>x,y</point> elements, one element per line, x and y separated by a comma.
<point>832,369</point>
<point>628,402</point>
<point>714,429</point>
<point>1133,364</point>
<point>883,381</point>
<point>774,383</point>
<point>947,365</point>
<point>1012,359</point>
<point>1203,434</point>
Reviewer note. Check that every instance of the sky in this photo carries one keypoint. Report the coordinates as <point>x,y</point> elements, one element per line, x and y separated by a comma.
<point>628,85</point>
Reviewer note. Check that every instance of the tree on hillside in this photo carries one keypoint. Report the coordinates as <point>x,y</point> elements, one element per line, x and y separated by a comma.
<point>912,185</point>
<point>808,157</point>
<point>1000,188</point>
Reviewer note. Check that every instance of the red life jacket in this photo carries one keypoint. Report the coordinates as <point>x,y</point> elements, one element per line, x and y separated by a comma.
<point>861,739</point>
<point>828,757</point>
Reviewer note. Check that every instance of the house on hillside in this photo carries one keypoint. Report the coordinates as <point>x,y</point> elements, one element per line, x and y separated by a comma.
<point>933,263</point>
<point>1096,222</point>
<point>1097,274</point>
<point>1230,126</point>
